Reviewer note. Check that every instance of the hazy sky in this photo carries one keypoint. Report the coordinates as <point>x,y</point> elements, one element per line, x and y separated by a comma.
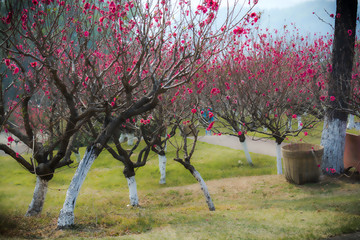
<point>277,13</point>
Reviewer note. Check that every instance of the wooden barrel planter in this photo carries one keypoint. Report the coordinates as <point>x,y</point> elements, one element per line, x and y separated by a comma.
<point>352,151</point>
<point>302,162</point>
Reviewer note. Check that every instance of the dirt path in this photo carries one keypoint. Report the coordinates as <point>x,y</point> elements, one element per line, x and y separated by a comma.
<point>262,146</point>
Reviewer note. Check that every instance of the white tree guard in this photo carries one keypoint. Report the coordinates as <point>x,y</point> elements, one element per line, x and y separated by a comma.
<point>134,200</point>
<point>333,141</point>
<point>299,122</point>
<point>77,157</point>
<point>38,199</point>
<point>278,159</point>
<point>351,122</point>
<point>130,139</point>
<point>162,168</point>
<point>246,151</point>
<point>205,190</point>
<point>66,217</point>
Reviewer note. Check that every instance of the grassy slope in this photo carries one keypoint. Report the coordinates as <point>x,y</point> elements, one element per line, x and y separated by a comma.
<point>264,206</point>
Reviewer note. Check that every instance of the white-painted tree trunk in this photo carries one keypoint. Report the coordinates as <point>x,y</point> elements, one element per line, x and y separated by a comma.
<point>134,200</point>
<point>162,168</point>
<point>333,141</point>
<point>351,122</point>
<point>122,137</point>
<point>38,200</point>
<point>278,159</point>
<point>299,122</point>
<point>290,124</point>
<point>265,129</point>
<point>205,190</point>
<point>246,151</point>
<point>130,139</point>
<point>66,217</point>
<point>77,157</point>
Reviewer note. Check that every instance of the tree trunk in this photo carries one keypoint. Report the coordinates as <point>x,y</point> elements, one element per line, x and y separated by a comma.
<point>66,217</point>
<point>333,135</point>
<point>246,151</point>
<point>351,122</point>
<point>130,139</point>
<point>134,200</point>
<point>299,122</point>
<point>162,168</point>
<point>278,159</point>
<point>38,200</point>
<point>333,141</point>
<point>204,188</point>
<point>122,137</point>
<point>77,157</point>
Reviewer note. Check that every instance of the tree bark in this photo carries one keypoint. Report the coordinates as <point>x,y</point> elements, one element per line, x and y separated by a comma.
<point>333,135</point>
<point>278,159</point>
<point>66,217</point>
<point>162,168</point>
<point>133,196</point>
<point>38,200</point>
<point>333,141</point>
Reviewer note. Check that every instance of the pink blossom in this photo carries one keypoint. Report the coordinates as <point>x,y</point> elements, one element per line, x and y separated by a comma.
<point>33,64</point>
<point>349,32</point>
<point>112,104</point>
<point>305,133</point>
<point>7,62</point>
<point>294,116</point>
<point>210,126</point>
<point>16,70</point>
<point>10,139</point>
<point>331,15</point>
<point>252,15</point>
<point>193,110</point>
<point>239,133</point>
<point>332,98</point>
<point>17,155</point>
<point>35,2</point>
<point>86,33</point>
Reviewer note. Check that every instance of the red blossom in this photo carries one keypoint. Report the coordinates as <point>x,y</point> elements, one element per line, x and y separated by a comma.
<point>332,98</point>
<point>7,62</point>
<point>193,110</point>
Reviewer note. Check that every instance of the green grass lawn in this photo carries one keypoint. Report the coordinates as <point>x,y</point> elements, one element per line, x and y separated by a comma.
<point>251,202</point>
